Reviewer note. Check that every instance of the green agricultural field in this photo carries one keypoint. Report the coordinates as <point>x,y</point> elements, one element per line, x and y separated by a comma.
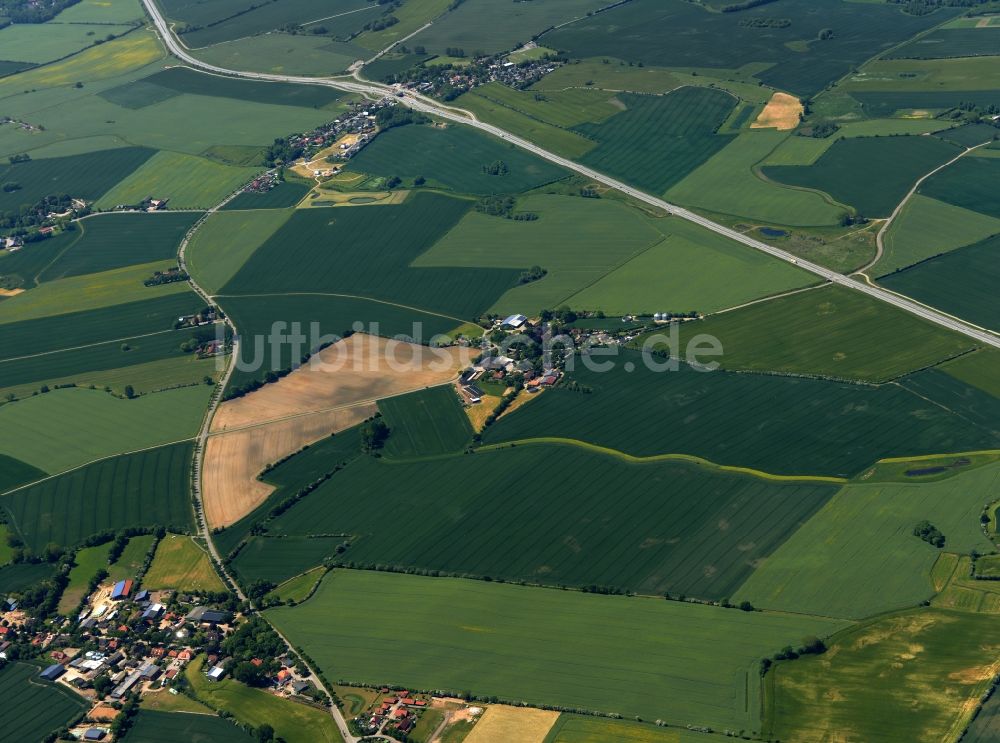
<point>132,558</point>
<point>479,26</point>
<point>425,423</point>
<point>614,75</point>
<point>95,291</point>
<point>970,183</point>
<point>658,140</point>
<point>90,327</point>
<point>927,227</point>
<point>367,252</point>
<point>871,174</point>
<point>45,42</point>
<point>972,403</point>
<point>107,242</point>
<point>696,664</point>
<point>889,102</point>
<point>226,240</point>
<point>101,11</point>
<point>86,176</point>
<point>454,158</point>
<point>50,427</point>
<point>580,729</point>
<point>330,316</point>
<point>299,588</point>
<point>6,551</point>
<point>951,42</point>
<point>576,240</point>
<point>986,727</point>
<point>14,472</point>
<point>284,54</point>
<point>728,183</point>
<point>291,720</point>
<point>22,575</point>
<point>969,135</point>
<point>185,181</point>
<point>188,80</point>
<point>20,269</point>
<point>792,58</point>
<point>473,519</point>
<point>692,270</point>
<point>412,15</point>
<point>35,708</point>
<point>912,676</point>
<point>858,557</point>
<point>832,331</point>
<point>285,194</point>
<point>732,418</point>
<point>152,726</point>
<point>978,369</point>
<point>182,565</point>
<point>276,559</point>
<point>962,282</point>
<point>146,489</point>
<point>89,561</point>
<point>256,18</point>
<point>565,108</point>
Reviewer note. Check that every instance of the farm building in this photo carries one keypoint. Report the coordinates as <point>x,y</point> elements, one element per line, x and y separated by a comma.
<point>122,590</point>
<point>53,672</point>
<point>216,673</point>
<point>514,321</point>
<point>94,734</point>
<point>204,615</point>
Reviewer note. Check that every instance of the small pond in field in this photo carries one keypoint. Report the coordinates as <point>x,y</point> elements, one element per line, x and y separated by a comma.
<point>773,232</point>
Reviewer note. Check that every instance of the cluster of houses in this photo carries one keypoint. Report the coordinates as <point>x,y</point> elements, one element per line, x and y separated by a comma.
<point>263,183</point>
<point>450,81</point>
<point>396,712</point>
<point>351,132</point>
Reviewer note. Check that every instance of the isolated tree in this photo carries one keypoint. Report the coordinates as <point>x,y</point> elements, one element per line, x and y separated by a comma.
<point>129,391</point>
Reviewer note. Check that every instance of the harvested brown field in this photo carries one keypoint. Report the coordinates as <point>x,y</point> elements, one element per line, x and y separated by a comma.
<point>782,112</point>
<point>10,292</point>
<point>513,725</point>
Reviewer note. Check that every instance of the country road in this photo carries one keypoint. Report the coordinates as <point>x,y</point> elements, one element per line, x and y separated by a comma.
<point>429,106</point>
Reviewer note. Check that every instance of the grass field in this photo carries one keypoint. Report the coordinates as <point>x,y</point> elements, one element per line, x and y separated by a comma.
<point>46,42</point>
<point>295,722</point>
<point>145,489</point>
<point>732,418</point>
<point>226,240</point>
<point>86,176</point>
<point>280,558</point>
<point>579,729</point>
<point>614,75</point>
<point>453,157</point>
<point>950,42</point>
<point>871,174</point>
<point>152,726</point>
<point>185,181</point>
<point>728,183</point>
<point>577,241</point>
<point>969,183</point>
<point>285,194</point>
<point>6,551</point>
<point>299,588</point>
<point>14,472</point>
<point>188,80</point>
<point>37,708</point>
<point>284,54</point>
<point>831,331</point>
<point>255,19</point>
<point>657,141</point>
<point>88,561</point>
<point>928,227</point>
<point>564,108</point>
<point>19,576</point>
<point>132,558</point>
<point>376,245</point>
<point>50,427</point>
<point>858,557</point>
<point>556,526</point>
<point>411,16</point>
<point>978,369</point>
<point>425,423</point>
<point>182,565</point>
<point>111,241</point>
<point>961,282</point>
<point>913,676</point>
<point>101,11</point>
<point>696,664</point>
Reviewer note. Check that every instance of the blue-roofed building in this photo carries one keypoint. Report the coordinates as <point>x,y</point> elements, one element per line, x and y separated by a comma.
<point>122,589</point>
<point>53,672</point>
<point>94,734</point>
<point>514,321</point>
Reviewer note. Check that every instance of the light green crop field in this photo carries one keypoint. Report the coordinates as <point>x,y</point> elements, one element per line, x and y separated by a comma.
<point>576,240</point>
<point>693,663</point>
<point>728,184</point>
<point>968,73</point>
<point>563,108</point>
<point>913,676</point>
<point>186,181</point>
<point>88,561</point>
<point>182,565</point>
<point>284,53</point>
<point>132,557</point>
<point>411,15</point>
<point>225,241</point>
<point>297,589</point>
<point>579,729</point>
<point>293,721</point>
<point>89,292</point>
<point>101,11</point>
<point>794,150</point>
<point>45,42</point>
<point>693,269</point>
<point>66,428</point>
<point>858,556</point>
<point>831,331</point>
<point>980,369</point>
<point>615,75</point>
<point>927,227</point>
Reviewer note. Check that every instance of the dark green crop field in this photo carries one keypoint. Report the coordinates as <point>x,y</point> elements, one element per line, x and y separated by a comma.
<point>970,183</point>
<point>559,515</point>
<point>18,576</point>
<point>969,135</point>
<point>56,332</point>
<point>34,708</point>
<point>149,488</point>
<point>986,727</point>
<point>777,424</point>
<point>425,423</point>
<point>110,241</point>
<point>14,472</point>
<point>151,726</point>
<point>883,104</point>
<point>88,176</point>
<point>276,559</point>
<point>871,174</point>
<point>658,140</point>
<point>236,20</point>
<point>951,42</point>
<point>366,252</point>
<point>802,63</point>
<point>21,269</point>
<point>185,80</point>
<point>454,158</point>
<point>972,403</point>
<point>285,194</point>
<point>963,282</point>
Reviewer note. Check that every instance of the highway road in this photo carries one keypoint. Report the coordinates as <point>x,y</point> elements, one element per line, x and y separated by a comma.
<point>430,106</point>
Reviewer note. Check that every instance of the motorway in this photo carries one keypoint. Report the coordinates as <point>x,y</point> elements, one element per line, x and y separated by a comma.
<point>430,106</point>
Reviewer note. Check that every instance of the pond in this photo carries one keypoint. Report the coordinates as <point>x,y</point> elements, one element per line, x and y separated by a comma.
<point>773,232</point>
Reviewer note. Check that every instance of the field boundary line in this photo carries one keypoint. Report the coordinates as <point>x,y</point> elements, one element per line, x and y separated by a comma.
<point>86,345</point>
<point>652,459</point>
<point>342,296</point>
<point>928,457</point>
